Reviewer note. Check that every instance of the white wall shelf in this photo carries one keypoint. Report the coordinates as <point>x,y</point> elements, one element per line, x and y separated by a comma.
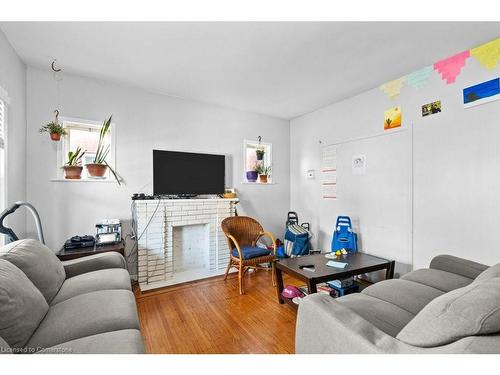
<point>258,183</point>
<point>108,181</point>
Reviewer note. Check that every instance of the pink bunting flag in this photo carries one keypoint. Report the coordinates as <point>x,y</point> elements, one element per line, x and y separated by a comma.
<point>450,68</point>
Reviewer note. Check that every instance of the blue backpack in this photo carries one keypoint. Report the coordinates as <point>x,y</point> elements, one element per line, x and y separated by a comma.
<point>343,236</point>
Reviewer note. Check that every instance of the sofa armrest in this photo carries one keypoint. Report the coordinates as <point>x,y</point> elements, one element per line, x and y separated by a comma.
<point>95,262</point>
<point>459,266</point>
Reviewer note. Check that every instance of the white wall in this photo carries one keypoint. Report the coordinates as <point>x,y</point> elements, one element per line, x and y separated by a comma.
<point>144,121</point>
<point>13,80</point>
<point>456,172</point>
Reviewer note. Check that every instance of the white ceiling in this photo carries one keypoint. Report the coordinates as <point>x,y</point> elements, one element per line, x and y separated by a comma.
<point>278,69</point>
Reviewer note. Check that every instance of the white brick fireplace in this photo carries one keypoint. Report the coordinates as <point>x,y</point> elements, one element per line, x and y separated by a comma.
<point>183,241</point>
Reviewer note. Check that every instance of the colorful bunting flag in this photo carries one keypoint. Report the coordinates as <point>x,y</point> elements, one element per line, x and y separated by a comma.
<point>488,54</point>
<point>419,78</point>
<point>450,68</point>
<point>393,88</point>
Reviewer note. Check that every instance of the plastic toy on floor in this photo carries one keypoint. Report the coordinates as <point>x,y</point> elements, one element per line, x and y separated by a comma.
<point>343,236</point>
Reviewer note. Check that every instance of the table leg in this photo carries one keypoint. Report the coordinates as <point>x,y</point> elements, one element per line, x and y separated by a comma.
<point>311,287</point>
<point>279,284</point>
<point>389,273</point>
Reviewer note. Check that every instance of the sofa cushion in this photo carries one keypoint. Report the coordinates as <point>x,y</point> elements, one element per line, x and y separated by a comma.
<point>22,306</point>
<point>442,280</point>
<point>114,278</point>
<point>250,252</point>
<point>39,263</point>
<point>383,315</point>
<point>469,311</point>
<point>126,341</point>
<point>491,272</point>
<point>408,295</point>
<point>85,315</point>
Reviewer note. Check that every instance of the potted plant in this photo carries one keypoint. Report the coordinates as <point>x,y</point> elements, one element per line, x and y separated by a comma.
<point>252,175</point>
<point>260,153</point>
<point>54,129</point>
<point>263,172</point>
<point>73,168</point>
<point>99,166</point>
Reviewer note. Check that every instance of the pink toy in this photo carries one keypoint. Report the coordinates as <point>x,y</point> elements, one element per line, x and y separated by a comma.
<point>291,291</point>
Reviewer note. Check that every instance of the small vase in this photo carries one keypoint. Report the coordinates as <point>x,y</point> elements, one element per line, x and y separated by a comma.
<point>55,136</point>
<point>263,178</point>
<point>72,172</point>
<point>97,170</point>
<point>260,156</point>
<point>252,176</point>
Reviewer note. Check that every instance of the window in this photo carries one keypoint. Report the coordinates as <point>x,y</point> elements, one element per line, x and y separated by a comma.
<point>85,134</point>
<point>3,185</point>
<point>257,158</point>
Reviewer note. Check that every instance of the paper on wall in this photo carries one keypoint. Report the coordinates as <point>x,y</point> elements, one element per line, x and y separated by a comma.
<point>329,173</point>
<point>359,164</point>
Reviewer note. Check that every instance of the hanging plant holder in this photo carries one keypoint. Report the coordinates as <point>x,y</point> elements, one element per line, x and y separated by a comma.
<point>55,129</point>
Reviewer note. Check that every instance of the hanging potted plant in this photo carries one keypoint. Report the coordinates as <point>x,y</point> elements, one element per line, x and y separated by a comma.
<point>253,174</point>
<point>260,153</point>
<point>99,166</point>
<point>264,172</point>
<point>73,167</point>
<point>55,129</point>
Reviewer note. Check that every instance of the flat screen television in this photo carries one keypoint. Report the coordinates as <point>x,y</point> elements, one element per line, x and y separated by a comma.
<point>186,173</point>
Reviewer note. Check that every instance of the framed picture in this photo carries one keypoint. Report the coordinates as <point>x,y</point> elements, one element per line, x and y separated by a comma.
<point>392,118</point>
<point>481,93</point>
<point>431,108</point>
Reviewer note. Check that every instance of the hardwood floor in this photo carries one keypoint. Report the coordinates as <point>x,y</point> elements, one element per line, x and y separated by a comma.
<point>210,316</point>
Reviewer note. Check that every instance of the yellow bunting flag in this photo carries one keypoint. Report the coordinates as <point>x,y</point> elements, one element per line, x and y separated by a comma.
<point>393,88</point>
<point>488,54</point>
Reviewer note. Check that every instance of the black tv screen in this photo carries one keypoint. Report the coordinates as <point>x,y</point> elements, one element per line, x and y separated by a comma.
<point>177,173</point>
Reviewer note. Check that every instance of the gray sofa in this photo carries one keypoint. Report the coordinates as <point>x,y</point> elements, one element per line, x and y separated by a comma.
<point>80,306</point>
<point>451,307</point>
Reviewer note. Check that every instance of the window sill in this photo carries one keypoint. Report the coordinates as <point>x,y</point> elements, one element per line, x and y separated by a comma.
<point>258,183</point>
<point>98,180</point>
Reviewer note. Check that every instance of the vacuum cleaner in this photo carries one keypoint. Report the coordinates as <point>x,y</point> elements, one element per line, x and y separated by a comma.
<point>9,233</point>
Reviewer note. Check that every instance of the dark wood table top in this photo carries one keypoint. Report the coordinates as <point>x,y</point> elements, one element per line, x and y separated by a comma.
<point>357,263</point>
<point>64,254</point>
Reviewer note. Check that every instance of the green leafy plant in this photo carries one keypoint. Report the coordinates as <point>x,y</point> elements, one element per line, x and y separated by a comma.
<point>260,153</point>
<point>53,128</point>
<point>75,158</point>
<point>103,150</point>
<point>261,169</point>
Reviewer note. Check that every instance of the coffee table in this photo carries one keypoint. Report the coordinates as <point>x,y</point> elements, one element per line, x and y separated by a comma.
<point>358,263</point>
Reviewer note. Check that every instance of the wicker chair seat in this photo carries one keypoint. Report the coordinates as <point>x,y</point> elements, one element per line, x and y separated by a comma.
<point>256,260</point>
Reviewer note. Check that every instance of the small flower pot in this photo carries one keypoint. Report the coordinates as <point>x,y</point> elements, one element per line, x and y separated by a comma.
<point>252,176</point>
<point>260,155</point>
<point>55,136</point>
<point>96,170</point>
<point>263,178</point>
<point>72,172</point>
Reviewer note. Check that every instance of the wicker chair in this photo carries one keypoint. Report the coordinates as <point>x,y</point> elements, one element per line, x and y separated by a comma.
<point>242,233</point>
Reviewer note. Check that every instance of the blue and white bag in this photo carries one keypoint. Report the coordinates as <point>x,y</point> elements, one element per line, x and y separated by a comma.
<point>296,241</point>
